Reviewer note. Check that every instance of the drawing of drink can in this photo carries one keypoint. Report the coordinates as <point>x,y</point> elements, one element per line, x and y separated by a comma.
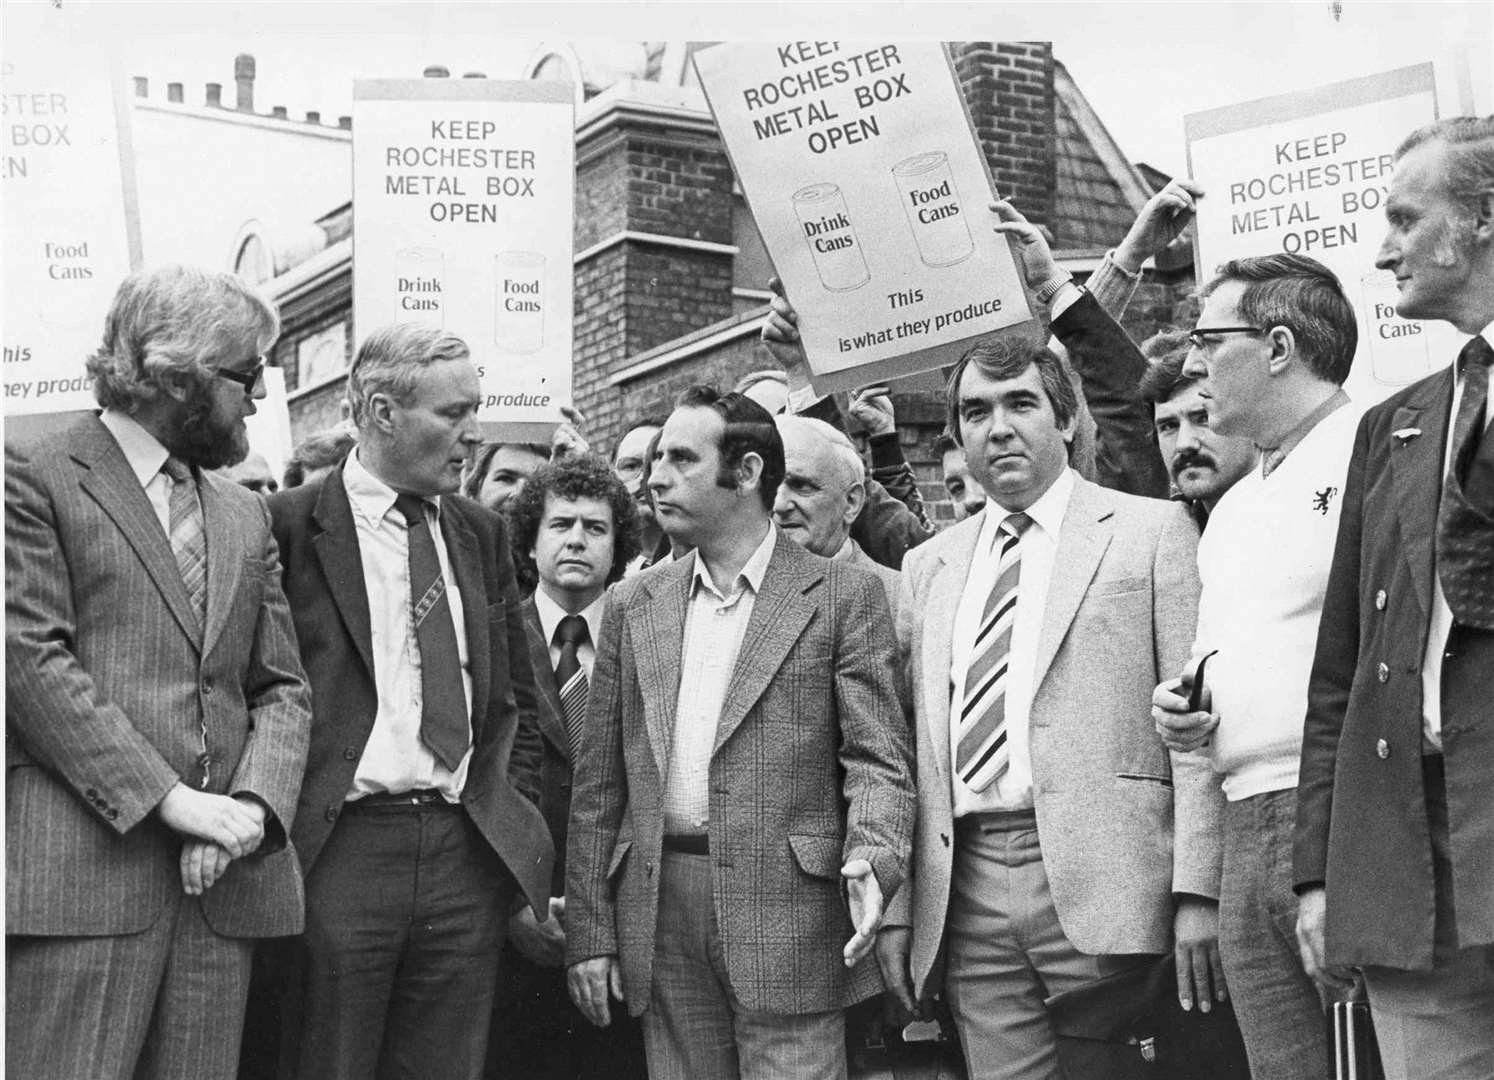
<point>1399,353</point>
<point>826,225</point>
<point>519,314</point>
<point>419,285</point>
<point>932,203</point>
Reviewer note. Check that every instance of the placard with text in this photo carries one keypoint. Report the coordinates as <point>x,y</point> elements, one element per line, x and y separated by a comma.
<point>1309,173</point>
<point>463,199</point>
<point>871,194</point>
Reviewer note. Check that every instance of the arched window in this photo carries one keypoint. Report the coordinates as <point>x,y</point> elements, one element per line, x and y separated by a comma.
<point>253,262</point>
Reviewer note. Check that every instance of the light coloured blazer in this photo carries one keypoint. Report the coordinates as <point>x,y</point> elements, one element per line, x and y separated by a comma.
<point>114,692</point>
<point>1123,824</point>
<point>810,769</point>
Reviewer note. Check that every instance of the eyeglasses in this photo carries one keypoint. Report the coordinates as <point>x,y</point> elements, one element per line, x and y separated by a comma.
<point>1199,338</point>
<point>247,379</point>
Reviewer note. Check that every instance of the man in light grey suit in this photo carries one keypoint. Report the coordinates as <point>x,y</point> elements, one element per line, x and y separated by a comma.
<point>156,712</point>
<point>1057,839</point>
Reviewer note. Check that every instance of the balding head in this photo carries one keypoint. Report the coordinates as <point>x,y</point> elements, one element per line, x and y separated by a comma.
<point>824,484</point>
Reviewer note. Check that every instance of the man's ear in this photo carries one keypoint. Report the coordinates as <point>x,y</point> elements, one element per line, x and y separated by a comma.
<point>750,471</point>
<point>380,410</point>
<point>1283,349</point>
<point>1483,218</point>
<point>176,384</point>
<point>855,500</point>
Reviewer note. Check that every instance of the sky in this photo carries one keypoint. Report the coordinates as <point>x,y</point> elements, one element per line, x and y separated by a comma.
<point>1143,66</point>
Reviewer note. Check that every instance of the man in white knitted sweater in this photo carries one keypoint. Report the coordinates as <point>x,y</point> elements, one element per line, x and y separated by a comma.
<point>1272,348</point>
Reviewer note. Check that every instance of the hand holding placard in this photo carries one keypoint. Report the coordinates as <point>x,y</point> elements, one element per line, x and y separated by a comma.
<point>1038,264</point>
<point>1161,221</point>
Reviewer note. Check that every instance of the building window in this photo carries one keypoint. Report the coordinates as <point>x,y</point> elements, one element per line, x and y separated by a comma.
<point>253,262</point>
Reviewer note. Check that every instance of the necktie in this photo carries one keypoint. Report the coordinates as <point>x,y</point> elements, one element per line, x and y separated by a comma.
<point>1465,516</point>
<point>981,753</point>
<point>571,680</point>
<point>443,718</point>
<point>186,533</point>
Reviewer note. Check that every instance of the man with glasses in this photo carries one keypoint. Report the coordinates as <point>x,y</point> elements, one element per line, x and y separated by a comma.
<point>1272,347</point>
<point>156,711</point>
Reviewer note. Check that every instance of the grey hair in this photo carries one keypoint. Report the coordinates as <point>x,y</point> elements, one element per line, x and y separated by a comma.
<point>390,360</point>
<point>175,319</point>
<point>848,461</point>
<point>1469,168</point>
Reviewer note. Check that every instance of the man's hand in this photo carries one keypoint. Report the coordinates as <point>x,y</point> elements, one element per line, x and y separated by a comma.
<point>590,983</point>
<point>871,408</point>
<point>1038,263</point>
<point>894,952</point>
<point>781,336</point>
<point>568,440</point>
<point>1179,728</point>
<point>1195,930</point>
<point>1312,911</point>
<point>866,908</point>
<point>541,943</point>
<point>202,864</point>
<point>236,825</point>
<point>1161,221</point>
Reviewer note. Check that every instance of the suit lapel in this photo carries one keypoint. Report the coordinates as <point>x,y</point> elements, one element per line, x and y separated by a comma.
<point>225,559</point>
<point>466,567</point>
<point>1413,464</point>
<point>336,548</point>
<point>551,712</point>
<point>110,482</point>
<point>658,634</point>
<point>779,614</point>
<point>1082,540</point>
<point>941,607</point>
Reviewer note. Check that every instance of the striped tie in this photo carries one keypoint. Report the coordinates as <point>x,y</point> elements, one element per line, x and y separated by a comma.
<point>188,539</point>
<point>570,679</point>
<point>981,754</point>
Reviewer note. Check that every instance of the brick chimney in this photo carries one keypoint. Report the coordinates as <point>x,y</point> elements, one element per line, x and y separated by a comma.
<point>1009,87</point>
<point>243,77</point>
<point>279,112</point>
<point>215,95</point>
<point>313,117</point>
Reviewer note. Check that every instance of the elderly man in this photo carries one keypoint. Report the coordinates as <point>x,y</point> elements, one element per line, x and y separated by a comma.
<point>156,712</point>
<point>1273,345</point>
<point>1395,820</point>
<point>413,832</point>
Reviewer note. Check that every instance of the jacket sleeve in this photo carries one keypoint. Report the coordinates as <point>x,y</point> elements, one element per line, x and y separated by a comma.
<point>886,529</point>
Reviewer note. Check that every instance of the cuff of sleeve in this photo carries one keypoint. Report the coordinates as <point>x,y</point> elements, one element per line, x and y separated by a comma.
<point>1068,293</point>
<point>274,830</point>
<point>886,451</point>
<point>801,399</point>
<point>1112,263</point>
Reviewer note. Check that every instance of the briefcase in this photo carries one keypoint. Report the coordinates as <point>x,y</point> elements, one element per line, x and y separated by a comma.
<point>1129,1026</point>
<point>1356,1054</point>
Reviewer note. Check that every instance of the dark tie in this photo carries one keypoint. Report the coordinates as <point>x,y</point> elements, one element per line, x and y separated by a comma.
<point>443,718</point>
<point>188,539</point>
<point>1465,517</point>
<point>981,753</point>
<point>570,678</point>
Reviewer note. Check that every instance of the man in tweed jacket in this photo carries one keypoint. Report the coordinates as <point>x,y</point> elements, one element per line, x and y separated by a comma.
<point>745,774</point>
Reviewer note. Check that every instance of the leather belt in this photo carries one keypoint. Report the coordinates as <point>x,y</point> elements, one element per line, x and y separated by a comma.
<point>416,799</point>
<point>688,844</point>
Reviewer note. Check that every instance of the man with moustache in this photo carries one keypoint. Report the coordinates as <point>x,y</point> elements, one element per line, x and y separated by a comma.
<point>413,832</point>
<point>574,530</point>
<point>1274,342</point>
<point>1395,824</point>
<point>156,711</point>
<point>1203,464</point>
<point>743,798</point>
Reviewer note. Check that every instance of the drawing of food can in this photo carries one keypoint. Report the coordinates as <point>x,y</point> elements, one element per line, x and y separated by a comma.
<point>1399,353</point>
<point>932,202</point>
<point>821,210</point>
<point>519,311</point>
<point>419,284</point>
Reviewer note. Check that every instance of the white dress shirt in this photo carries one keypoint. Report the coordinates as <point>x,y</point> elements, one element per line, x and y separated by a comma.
<point>1442,618</point>
<point>395,759</point>
<point>1013,789</point>
<point>715,623</point>
<point>145,455</point>
<point>550,613</point>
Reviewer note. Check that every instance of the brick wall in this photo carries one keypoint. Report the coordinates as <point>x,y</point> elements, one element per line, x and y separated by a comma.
<point>1009,88</point>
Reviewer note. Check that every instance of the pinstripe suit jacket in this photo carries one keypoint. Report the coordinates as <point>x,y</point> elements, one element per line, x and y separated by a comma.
<point>114,692</point>
<point>810,768</point>
<point>1123,824</point>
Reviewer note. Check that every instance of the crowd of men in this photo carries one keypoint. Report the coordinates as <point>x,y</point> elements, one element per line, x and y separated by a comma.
<point>470,760</point>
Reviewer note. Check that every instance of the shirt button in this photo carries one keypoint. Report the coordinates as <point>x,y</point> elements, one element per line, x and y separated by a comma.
<point>1380,600</point>
<point>207,686</point>
<point>1382,673</point>
<point>1382,749</point>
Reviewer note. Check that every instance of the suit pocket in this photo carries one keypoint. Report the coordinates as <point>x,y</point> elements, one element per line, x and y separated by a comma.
<point>1145,778</point>
<point>817,856</point>
<point>1116,586</point>
<point>619,856</point>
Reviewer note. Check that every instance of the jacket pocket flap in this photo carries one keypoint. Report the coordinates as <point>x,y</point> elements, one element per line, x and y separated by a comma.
<point>619,853</point>
<point>818,856</point>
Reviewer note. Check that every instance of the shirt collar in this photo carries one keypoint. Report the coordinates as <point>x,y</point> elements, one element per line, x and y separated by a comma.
<point>846,552</point>
<point>1272,456</point>
<point>1047,513</point>
<point>371,498</point>
<point>550,613</point>
<point>752,573</point>
<point>143,452</point>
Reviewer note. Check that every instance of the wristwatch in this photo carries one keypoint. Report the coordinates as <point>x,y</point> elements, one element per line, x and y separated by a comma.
<point>1049,289</point>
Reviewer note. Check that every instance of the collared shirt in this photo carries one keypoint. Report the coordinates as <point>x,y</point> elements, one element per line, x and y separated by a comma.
<point>145,455</point>
<point>550,613</point>
<point>715,623</point>
<point>1272,456</point>
<point>1013,789</point>
<point>395,759</point>
<point>1442,618</point>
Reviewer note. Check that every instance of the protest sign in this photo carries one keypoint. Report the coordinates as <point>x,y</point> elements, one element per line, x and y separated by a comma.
<point>462,207</point>
<point>870,191</point>
<point>1308,172</point>
<point>71,223</point>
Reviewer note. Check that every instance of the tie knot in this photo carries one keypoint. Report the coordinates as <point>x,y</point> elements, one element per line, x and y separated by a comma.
<point>177,469</point>
<point>571,630</point>
<point>1477,351</point>
<point>1016,524</point>
<point>412,507</point>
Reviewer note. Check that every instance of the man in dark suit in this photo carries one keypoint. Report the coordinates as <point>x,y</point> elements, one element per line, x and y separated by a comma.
<point>745,771</point>
<point>156,711</point>
<point>1394,858</point>
<point>412,831</point>
<point>575,530</point>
